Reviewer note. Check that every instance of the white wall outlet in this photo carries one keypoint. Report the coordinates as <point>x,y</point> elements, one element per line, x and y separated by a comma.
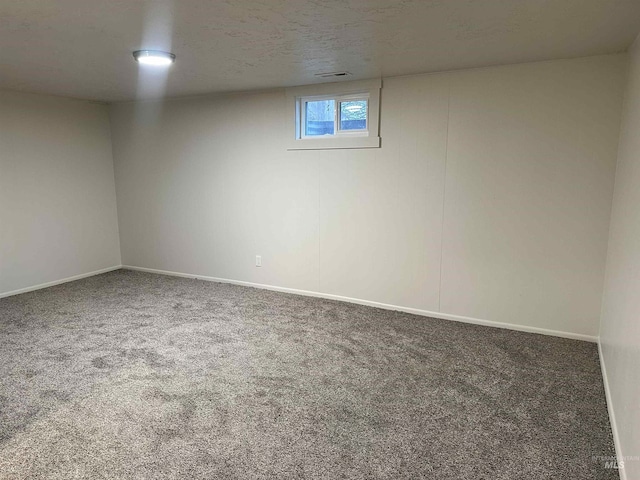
<point>258,260</point>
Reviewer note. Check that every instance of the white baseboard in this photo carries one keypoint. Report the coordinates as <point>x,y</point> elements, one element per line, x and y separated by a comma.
<point>612,415</point>
<point>415,311</point>
<point>58,282</point>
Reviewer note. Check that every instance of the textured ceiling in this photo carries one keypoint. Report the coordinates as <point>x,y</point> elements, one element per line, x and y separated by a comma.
<point>82,48</point>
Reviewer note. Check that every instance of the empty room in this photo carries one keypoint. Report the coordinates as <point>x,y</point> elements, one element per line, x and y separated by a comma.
<point>303,239</point>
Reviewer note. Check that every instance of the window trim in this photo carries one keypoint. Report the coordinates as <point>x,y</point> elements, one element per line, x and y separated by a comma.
<point>339,91</point>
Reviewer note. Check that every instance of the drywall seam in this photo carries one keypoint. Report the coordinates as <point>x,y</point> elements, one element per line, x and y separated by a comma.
<point>444,192</point>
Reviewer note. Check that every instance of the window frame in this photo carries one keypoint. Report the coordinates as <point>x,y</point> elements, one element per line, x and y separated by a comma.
<point>337,115</point>
<point>297,97</point>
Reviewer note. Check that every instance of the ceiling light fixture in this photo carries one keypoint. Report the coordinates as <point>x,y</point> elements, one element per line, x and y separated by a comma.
<point>154,57</point>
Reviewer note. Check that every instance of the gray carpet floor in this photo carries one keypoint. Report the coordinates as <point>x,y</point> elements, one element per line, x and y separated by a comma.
<point>130,375</point>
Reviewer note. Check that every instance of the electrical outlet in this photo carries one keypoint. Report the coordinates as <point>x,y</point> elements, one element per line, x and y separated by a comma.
<point>258,260</point>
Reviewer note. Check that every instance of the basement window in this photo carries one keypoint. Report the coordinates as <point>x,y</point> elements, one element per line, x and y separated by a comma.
<point>336,115</point>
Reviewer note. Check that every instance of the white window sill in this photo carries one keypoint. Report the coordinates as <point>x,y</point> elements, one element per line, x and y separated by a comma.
<point>334,142</point>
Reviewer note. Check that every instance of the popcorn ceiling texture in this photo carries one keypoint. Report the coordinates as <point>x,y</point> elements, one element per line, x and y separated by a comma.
<point>130,375</point>
<point>82,48</point>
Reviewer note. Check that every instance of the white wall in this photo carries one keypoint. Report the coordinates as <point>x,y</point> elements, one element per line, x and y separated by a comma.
<point>530,170</point>
<point>58,214</point>
<point>620,324</point>
<point>489,198</point>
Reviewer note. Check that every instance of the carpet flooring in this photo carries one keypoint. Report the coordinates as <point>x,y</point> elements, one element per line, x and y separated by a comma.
<point>129,375</point>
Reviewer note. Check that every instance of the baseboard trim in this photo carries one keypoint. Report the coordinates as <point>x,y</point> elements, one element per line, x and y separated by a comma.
<point>612,415</point>
<point>58,282</point>
<point>415,311</point>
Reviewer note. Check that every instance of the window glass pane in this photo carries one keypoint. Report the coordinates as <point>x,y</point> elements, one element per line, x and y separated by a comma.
<point>320,117</point>
<point>353,115</point>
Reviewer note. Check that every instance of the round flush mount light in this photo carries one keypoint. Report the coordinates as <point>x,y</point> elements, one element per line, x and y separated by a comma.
<point>154,57</point>
<point>353,108</point>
